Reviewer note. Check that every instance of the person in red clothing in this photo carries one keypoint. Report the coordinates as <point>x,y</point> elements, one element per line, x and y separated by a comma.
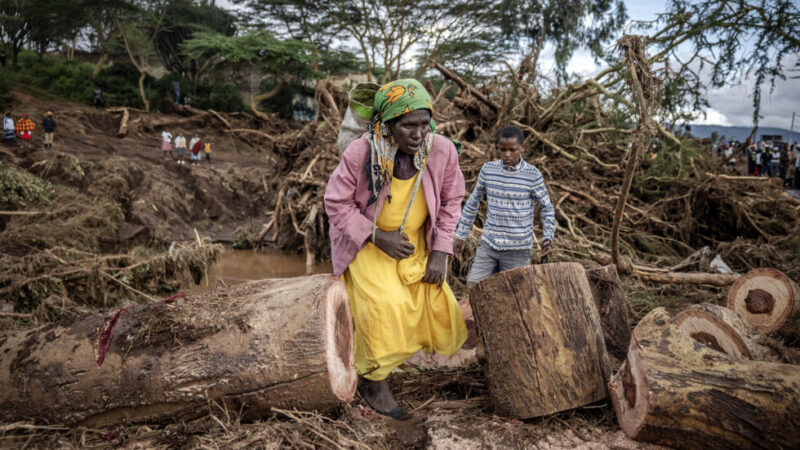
<point>24,128</point>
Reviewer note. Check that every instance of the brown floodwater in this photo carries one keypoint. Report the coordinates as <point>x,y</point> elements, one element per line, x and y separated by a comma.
<point>241,266</point>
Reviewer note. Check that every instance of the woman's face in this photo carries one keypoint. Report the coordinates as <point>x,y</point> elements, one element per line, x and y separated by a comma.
<point>411,130</point>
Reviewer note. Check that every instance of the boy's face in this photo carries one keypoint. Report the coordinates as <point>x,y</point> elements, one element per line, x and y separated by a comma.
<point>509,149</point>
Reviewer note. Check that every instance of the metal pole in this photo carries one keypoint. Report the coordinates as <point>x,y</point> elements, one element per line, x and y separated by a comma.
<point>791,131</point>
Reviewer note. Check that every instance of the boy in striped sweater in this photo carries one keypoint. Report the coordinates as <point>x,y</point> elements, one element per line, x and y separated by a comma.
<point>510,186</point>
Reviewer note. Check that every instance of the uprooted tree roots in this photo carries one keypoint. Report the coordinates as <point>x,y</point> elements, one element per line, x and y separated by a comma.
<point>579,135</point>
<point>680,199</point>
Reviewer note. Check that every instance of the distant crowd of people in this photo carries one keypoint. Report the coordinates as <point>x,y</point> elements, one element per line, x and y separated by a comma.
<point>24,128</point>
<point>767,159</point>
<point>195,147</point>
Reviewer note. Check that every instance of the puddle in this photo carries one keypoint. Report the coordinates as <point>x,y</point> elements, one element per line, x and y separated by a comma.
<point>241,266</point>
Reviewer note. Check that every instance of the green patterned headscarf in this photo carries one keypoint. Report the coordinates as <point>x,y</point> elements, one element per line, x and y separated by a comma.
<point>380,104</point>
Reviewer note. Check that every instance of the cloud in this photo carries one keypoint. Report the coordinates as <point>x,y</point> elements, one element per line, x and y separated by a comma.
<point>712,117</point>
<point>735,102</point>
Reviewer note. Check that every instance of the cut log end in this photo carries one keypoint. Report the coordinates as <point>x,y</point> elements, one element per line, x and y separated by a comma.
<point>629,393</point>
<point>339,341</point>
<point>711,331</point>
<point>765,298</point>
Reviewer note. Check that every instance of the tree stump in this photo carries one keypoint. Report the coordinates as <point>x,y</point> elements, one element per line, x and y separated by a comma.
<point>768,300</point>
<point>673,391</point>
<point>542,338</point>
<point>609,297</point>
<point>273,343</point>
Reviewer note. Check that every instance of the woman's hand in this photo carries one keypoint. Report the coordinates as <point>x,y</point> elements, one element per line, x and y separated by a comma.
<point>437,264</point>
<point>394,244</point>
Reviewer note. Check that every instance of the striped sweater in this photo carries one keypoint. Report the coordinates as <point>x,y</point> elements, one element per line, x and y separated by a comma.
<point>510,193</point>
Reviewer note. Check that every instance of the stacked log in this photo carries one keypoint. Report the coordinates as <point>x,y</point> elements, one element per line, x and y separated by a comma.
<point>543,342</point>
<point>274,343</point>
<point>769,300</point>
<point>680,388</point>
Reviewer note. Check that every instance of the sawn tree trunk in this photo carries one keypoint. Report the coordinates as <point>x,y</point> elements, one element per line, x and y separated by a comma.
<point>674,390</point>
<point>542,337</point>
<point>284,343</point>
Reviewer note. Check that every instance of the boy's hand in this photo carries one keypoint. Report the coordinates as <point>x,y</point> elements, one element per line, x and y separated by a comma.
<point>545,252</point>
<point>394,244</point>
<point>458,247</point>
<point>437,264</point>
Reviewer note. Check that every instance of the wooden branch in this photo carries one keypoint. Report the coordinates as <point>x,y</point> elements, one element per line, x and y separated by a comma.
<point>549,143</point>
<point>263,233</point>
<point>265,96</point>
<point>220,118</point>
<point>123,124</point>
<point>130,288</point>
<point>16,315</point>
<point>642,131</point>
<point>21,213</point>
<point>713,279</point>
<point>248,130</point>
<point>452,76</point>
<point>178,122</point>
<point>739,178</point>
<point>325,94</point>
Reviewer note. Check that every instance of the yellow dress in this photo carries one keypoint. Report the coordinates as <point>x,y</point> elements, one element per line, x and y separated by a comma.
<point>395,314</point>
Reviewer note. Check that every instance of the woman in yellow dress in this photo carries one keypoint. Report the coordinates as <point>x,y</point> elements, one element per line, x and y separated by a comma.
<point>393,203</point>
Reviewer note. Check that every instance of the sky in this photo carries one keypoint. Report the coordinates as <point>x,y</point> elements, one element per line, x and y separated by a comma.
<point>730,105</point>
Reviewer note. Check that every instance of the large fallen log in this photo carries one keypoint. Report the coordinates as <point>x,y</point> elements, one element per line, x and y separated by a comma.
<point>609,297</point>
<point>543,340</point>
<point>676,391</point>
<point>274,343</point>
<point>769,300</point>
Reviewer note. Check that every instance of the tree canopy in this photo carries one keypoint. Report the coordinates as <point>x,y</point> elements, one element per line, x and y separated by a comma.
<point>282,59</point>
<point>182,19</point>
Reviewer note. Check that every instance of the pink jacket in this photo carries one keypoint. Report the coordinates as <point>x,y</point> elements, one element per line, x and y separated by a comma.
<point>347,195</point>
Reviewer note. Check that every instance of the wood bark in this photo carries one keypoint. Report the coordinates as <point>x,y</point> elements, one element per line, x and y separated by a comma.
<point>769,300</point>
<point>609,297</point>
<point>674,391</point>
<point>283,343</point>
<point>542,338</point>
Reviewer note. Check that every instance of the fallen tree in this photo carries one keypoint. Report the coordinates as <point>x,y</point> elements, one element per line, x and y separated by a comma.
<point>676,390</point>
<point>283,343</point>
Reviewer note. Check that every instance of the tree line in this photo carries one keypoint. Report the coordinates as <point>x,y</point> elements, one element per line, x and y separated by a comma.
<point>701,44</point>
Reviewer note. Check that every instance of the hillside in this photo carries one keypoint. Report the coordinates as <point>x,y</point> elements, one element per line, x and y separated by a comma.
<point>739,133</point>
